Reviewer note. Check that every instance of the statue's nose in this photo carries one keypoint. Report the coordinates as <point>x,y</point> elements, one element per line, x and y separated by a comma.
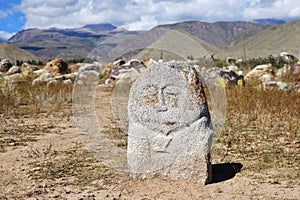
<point>162,109</point>
<point>161,102</point>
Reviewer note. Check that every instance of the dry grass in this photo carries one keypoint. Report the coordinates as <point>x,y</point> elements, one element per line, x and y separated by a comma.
<point>261,132</point>
<point>23,98</point>
<point>23,109</point>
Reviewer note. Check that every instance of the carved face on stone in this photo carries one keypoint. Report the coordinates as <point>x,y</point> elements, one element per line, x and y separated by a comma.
<point>167,97</point>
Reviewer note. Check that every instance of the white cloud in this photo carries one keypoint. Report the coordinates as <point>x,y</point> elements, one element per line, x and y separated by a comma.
<point>279,9</point>
<point>145,23</point>
<point>4,35</point>
<point>144,14</point>
<point>5,13</point>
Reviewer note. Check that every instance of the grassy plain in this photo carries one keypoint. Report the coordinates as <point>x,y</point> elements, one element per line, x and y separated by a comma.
<point>42,156</point>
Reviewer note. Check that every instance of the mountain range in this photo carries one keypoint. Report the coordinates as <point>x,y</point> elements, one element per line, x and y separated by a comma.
<point>106,42</point>
<point>65,43</point>
<point>13,53</point>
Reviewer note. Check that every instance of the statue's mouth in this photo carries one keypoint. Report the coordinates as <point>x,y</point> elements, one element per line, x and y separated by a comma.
<point>170,123</point>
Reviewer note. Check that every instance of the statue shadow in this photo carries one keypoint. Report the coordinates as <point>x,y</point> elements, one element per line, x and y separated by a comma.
<point>224,171</point>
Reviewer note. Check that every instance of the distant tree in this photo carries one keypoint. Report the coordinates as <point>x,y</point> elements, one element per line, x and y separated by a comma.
<point>40,63</point>
<point>81,60</point>
<point>219,62</point>
<point>33,62</point>
<point>190,57</point>
<point>19,62</point>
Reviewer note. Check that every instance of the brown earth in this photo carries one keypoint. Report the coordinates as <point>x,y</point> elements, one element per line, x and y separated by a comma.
<point>42,157</point>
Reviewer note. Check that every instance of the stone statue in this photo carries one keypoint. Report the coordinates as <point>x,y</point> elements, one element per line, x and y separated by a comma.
<point>170,132</point>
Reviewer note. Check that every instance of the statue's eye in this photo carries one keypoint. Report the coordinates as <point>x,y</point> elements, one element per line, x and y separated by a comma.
<point>171,94</point>
<point>172,90</point>
<point>150,94</point>
<point>150,91</point>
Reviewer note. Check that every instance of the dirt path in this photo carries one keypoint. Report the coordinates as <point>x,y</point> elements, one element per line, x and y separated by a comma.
<point>54,164</point>
<point>17,181</point>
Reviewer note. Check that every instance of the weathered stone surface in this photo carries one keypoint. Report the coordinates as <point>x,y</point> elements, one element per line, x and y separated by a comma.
<point>259,71</point>
<point>57,67</point>
<point>15,78</point>
<point>5,65</point>
<point>13,70</point>
<point>120,96</point>
<point>95,66</point>
<point>90,73</point>
<point>170,130</point>
<point>132,66</point>
<point>296,72</point>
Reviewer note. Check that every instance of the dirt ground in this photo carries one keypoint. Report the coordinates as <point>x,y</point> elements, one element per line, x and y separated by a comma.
<point>43,157</point>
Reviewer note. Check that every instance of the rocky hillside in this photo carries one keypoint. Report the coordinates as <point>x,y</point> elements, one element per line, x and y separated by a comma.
<point>270,21</point>
<point>186,46</point>
<point>272,41</point>
<point>105,42</point>
<point>95,28</point>
<point>215,38</point>
<point>65,43</point>
<point>221,34</point>
<point>91,30</point>
<point>249,42</point>
<point>80,42</point>
<point>13,53</point>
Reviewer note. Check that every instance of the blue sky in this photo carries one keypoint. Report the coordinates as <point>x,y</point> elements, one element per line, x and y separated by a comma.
<point>11,19</point>
<point>16,15</point>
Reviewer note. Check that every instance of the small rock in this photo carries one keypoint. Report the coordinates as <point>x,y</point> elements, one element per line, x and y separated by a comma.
<point>5,65</point>
<point>15,78</point>
<point>13,70</point>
